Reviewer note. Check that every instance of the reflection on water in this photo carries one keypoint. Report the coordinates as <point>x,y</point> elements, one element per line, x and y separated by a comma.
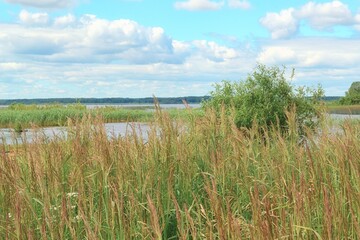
<point>344,116</point>
<point>8,136</point>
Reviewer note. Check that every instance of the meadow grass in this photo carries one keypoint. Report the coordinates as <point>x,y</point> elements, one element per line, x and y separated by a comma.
<point>20,117</point>
<point>202,178</point>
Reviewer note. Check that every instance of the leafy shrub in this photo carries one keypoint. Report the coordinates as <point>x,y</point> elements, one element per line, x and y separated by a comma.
<point>265,97</point>
<point>352,96</point>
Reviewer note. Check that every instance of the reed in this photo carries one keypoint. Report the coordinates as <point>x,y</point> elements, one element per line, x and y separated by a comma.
<point>20,117</point>
<point>200,178</point>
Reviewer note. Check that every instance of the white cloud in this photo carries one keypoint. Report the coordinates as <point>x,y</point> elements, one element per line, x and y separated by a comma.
<point>196,5</point>
<point>214,51</point>
<point>12,66</point>
<point>91,39</point>
<point>315,64</point>
<point>243,4</point>
<point>357,22</point>
<point>48,4</point>
<point>325,15</point>
<point>70,56</point>
<point>33,18</point>
<point>277,55</point>
<point>281,25</point>
<point>65,21</point>
<point>319,16</point>
<point>203,5</point>
<point>127,40</point>
<point>312,53</point>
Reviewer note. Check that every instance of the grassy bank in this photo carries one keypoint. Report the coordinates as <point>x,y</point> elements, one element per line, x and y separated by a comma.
<point>21,116</point>
<point>343,109</point>
<point>212,181</point>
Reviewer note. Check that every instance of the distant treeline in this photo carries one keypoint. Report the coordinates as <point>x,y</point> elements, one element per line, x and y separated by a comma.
<point>331,98</point>
<point>148,100</point>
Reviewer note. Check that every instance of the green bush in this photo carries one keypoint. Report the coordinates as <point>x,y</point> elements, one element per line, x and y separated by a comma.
<point>352,96</point>
<point>265,97</point>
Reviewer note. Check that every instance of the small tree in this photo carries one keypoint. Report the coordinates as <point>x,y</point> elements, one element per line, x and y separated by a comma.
<point>265,97</point>
<point>352,96</point>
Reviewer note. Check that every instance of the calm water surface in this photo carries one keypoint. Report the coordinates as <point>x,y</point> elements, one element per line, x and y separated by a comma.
<point>8,135</point>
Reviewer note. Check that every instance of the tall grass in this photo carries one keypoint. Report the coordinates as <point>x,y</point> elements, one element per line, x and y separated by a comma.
<point>201,179</point>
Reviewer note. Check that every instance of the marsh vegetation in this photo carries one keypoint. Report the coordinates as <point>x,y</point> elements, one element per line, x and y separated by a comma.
<point>199,174</point>
<point>212,181</point>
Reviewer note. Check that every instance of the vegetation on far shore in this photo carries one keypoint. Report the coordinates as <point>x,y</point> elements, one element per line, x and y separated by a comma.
<point>20,116</point>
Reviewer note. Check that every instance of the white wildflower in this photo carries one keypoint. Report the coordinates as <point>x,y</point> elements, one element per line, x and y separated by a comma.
<point>72,194</point>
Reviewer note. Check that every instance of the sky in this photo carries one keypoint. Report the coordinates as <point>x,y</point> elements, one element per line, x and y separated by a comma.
<point>170,48</point>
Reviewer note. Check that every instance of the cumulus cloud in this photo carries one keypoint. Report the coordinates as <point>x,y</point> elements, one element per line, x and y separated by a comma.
<point>319,16</point>
<point>47,4</point>
<point>357,22</point>
<point>206,5</point>
<point>65,21</point>
<point>335,70</point>
<point>68,56</point>
<point>195,5</point>
<point>127,40</point>
<point>312,53</point>
<point>11,66</point>
<point>281,24</point>
<point>33,18</point>
<point>325,15</point>
<point>71,55</point>
<point>91,39</point>
<point>214,51</point>
<point>277,55</point>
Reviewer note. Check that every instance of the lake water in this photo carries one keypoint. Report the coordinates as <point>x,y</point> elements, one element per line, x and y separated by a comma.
<point>8,136</point>
<point>344,116</point>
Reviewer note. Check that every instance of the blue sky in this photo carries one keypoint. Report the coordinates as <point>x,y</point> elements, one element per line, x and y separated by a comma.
<point>137,48</point>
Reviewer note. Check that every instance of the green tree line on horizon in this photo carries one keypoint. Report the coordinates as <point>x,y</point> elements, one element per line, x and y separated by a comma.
<point>147,100</point>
